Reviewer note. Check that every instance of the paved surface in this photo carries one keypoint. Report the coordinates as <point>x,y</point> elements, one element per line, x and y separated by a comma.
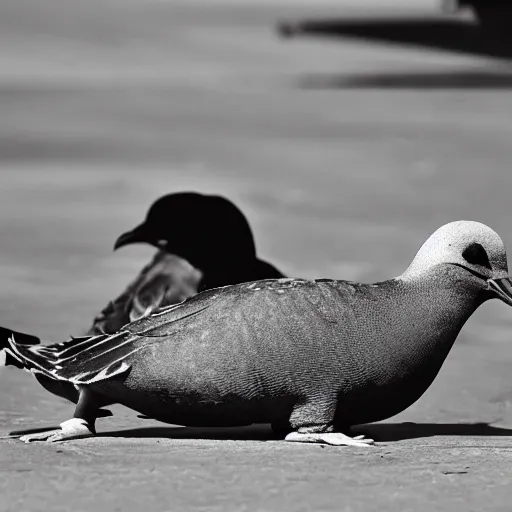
<point>345,146</point>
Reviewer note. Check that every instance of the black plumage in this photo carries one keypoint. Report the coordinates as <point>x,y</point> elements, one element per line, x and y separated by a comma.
<point>203,241</point>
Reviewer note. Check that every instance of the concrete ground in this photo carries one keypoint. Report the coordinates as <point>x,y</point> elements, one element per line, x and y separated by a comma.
<point>346,146</point>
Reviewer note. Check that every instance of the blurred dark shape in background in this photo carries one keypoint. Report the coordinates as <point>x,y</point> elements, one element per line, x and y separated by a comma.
<point>452,34</point>
<point>428,80</point>
<point>494,16</point>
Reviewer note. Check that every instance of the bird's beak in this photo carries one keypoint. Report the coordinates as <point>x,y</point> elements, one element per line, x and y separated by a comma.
<point>137,235</point>
<point>502,288</point>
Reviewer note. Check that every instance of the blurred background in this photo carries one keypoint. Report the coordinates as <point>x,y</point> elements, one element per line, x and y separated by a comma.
<point>346,146</point>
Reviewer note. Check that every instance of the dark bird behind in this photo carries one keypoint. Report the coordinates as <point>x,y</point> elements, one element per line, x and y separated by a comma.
<point>319,356</point>
<point>203,241</point>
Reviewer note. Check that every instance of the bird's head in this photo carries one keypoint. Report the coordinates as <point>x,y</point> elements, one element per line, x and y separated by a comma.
<point>206,230</point>
<point>475,249</point>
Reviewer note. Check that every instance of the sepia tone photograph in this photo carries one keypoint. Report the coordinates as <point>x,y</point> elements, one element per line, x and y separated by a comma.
<point>254,255</point>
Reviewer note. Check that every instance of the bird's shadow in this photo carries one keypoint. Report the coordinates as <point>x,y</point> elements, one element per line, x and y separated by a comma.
<point>389,432</point>
<point>381,432</point>
<point>450,35</point>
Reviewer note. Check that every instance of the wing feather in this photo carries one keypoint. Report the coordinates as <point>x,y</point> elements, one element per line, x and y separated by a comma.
<point>91,359</point>
<point>166,280</point>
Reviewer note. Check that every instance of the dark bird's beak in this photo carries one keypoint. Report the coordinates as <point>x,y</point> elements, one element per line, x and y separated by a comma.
<point>135,236</point>
<point>502,288</point>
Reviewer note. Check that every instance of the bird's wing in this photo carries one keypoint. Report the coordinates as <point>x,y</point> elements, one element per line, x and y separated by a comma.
<point>70,360</point>
<point>115,314</point>
<point>164,287</point>
<point>166,280</point>
<point>91,359</point>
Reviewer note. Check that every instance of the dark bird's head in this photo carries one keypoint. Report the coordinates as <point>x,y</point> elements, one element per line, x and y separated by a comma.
<point>208,231</point>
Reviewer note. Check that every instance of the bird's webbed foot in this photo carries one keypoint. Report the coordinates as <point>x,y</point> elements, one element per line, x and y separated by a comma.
<point>88,409</point>
<point>16,434</point>
<point>314,421</point>
<point>75,428</point>
<point>331,438</point>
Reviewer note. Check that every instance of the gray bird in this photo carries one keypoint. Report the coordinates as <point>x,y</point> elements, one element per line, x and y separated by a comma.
<point>319,355</point>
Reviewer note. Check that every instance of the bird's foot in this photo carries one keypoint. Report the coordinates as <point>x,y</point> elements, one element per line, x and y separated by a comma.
<point>75,428</point>
<point>332,438</point>
<point>15,434</point>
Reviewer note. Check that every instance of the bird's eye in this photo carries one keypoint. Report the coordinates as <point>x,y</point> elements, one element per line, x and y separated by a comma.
<point>476,255</point>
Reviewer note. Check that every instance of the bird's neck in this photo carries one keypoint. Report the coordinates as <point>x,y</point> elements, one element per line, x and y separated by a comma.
<point>404,331</point>
<point>447,298</point>
<point>428,316</point>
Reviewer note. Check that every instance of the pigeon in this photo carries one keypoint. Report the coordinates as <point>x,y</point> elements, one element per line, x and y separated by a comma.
<point>319,355</point>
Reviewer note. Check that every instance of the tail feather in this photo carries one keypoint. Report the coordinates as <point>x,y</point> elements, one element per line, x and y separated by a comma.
<point>16,355</point>
<point>7,357</point>
<point>68,349</point>
<point>21,338</point>
<point>77,361</point>
<point>26,352</point>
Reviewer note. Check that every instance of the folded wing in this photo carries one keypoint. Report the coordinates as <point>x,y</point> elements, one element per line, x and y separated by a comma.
<point>166,280</point>
<point>91,359</point>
